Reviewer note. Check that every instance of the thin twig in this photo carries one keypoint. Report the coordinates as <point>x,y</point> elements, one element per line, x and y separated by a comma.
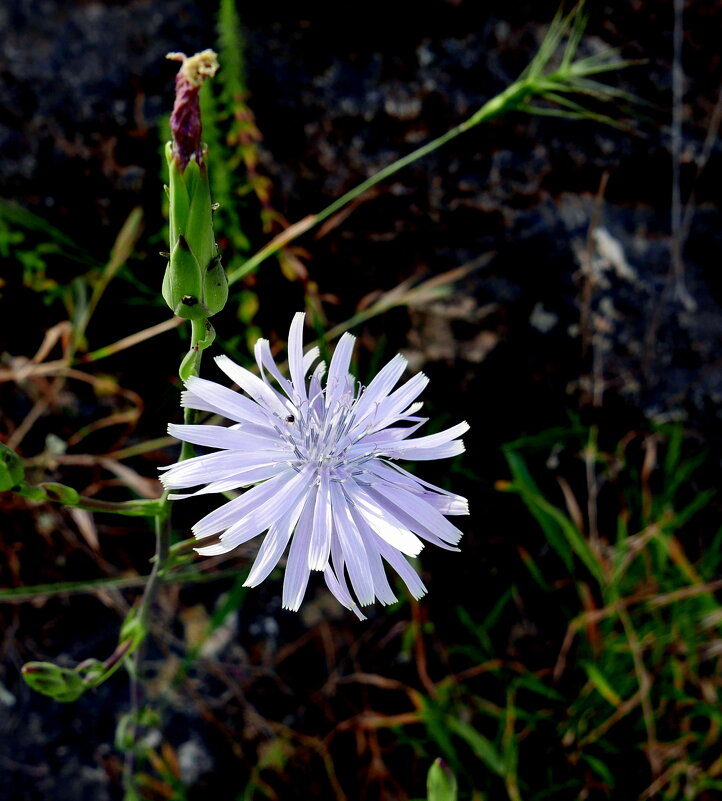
<point>681,293</point>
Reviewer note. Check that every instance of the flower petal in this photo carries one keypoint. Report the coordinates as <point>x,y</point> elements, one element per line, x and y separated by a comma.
<point>340,593</point>
<point>208,396</point>
<point>382,588</point>
<point>419,516</point>
<point>243,478</point>
<point>337,383</point>
<point>445,451</point>
<point>320,545</point>
<point>295,580</point>
<point>296,364</point>
<point>384,524</point>
<point>309,358</point>
<point>393,434</point>
<point>352,547</point>
<point>380,386</point>
<point>265,361</point>
<point>394,474</point>
<point>273,545</point>
<point>264,515</point>
<point>252,385</point>
<point>409,448</point>
<point>391,408</point>
<point>223,517</point>
<point>400,564</point>
<point>214,467</point>
<point>223,437</point>
<point>336,579</point>
<point>317,400</point>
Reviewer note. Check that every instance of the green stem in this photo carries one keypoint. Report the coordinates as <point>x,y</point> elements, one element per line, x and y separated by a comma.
<point>141,508</point>
<point>162,520</point>
<point>22,594</point>
<point>390,170</point>
<point>162,546</point>
<point>199,339</point>
<point>190,416</point>
<point>508,100</point>
<point>190,366</point>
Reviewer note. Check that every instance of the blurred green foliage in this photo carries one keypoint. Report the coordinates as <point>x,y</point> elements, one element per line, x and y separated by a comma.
<point>630,705</point>
<point>49,259</point>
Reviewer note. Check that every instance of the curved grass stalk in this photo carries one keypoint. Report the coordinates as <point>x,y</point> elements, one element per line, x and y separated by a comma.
<point>540,81</point>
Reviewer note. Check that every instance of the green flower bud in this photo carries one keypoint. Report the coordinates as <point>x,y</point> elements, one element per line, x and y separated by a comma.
<point>195,285</point>
<point>12,472</point>
<point>441,782</point>
<point>60,493</point>
<point>61,684</point>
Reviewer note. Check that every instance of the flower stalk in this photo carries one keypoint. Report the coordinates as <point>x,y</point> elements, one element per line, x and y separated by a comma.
<point>195,288</point>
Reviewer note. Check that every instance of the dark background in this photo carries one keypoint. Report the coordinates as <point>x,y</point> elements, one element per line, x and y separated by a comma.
<point>338,91</point>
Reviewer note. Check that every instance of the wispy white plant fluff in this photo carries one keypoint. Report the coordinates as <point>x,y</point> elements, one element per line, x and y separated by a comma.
<point>320,462</point>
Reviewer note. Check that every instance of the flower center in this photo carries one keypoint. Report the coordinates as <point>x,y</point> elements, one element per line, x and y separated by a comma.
<point>320,436</point>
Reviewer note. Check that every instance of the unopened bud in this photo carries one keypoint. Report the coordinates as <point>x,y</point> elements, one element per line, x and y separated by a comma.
<point>60,493</point>
<point>441,782</point>
<point>61,684</point>
<point>12,472</point>
<point>194,285</point>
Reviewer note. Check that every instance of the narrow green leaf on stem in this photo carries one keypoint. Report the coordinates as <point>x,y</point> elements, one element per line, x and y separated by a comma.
<point>67,496</point>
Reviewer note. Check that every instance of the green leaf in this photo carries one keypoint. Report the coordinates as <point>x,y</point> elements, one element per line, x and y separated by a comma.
<point>482,747</point>
<point>603,687</point>
<point>563,535</point>
<point>598,766</point>
<point>437,725</point>
<point>17,215</point>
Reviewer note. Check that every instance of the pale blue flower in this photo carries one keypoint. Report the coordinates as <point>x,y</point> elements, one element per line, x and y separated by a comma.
<point>319,463</point>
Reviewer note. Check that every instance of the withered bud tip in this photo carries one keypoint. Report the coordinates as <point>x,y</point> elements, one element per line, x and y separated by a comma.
<point>196,69</point>
<point>185,121</point>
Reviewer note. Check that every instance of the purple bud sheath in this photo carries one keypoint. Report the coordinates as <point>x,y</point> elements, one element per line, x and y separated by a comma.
<point>185,121</point>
